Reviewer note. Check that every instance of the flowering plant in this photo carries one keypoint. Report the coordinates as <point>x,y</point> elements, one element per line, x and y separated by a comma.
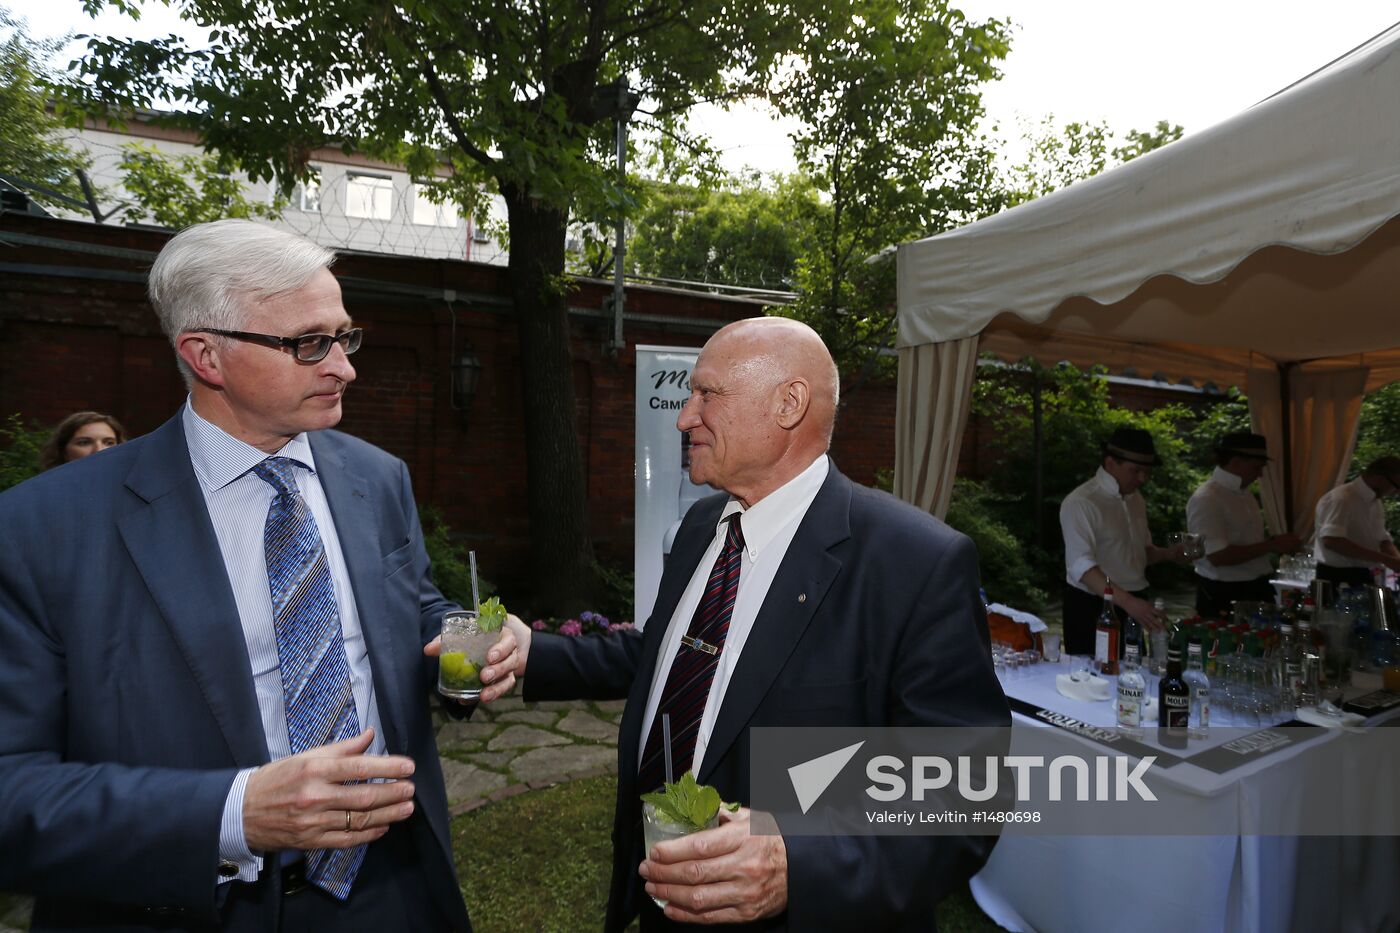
<point>587,623</point>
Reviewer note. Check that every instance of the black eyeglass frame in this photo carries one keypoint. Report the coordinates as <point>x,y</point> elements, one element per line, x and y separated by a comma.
<point>349,341</point>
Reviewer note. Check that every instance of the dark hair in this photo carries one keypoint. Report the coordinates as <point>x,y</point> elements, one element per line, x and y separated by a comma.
<point>52,453</point>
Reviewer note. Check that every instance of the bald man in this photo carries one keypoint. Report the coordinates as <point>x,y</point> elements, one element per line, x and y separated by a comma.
<point>795,598</point>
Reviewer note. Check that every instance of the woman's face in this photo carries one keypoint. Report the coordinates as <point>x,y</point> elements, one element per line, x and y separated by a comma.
<point>89,439</point>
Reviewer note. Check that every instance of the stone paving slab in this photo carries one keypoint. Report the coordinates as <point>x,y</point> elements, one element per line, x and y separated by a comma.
<point>525,737</point>
<point>550,765</point>
<point>534,717</point>
<point>610,706</point>
<point>496,761</point>
<point>464,736</point>
<point>589,727</point>
<point>468,782</point>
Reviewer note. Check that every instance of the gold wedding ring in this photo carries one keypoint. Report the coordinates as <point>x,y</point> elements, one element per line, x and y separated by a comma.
<point>347,821</point>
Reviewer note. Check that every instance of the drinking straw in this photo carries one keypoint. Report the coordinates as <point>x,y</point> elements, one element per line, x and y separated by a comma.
<point>476,597</point>
<point>666,744</point>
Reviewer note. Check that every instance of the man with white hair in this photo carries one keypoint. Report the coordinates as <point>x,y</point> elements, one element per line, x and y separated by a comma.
<point>214,682</point>
<point>796,598</point>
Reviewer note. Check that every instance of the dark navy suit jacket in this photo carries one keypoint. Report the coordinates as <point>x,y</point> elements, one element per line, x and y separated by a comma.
<point>892,632</point>
<point>126,699</point>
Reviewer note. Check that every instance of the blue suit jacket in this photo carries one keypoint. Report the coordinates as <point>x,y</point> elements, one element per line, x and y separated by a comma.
<point>126,697</point>
<point>890,632</point>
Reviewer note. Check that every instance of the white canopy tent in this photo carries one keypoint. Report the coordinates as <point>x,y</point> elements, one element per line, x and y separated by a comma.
<point>1263,252</point>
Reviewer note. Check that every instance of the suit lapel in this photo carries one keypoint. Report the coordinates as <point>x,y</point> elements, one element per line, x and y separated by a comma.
<point>171,540</point>
<point>803,578</point>
<point>356,527</point>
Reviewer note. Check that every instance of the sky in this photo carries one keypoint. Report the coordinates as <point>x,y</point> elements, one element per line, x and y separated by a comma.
<point>1192,62</point>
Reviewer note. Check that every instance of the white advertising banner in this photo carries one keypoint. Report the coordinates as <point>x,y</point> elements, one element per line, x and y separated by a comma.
<point>663,488</point>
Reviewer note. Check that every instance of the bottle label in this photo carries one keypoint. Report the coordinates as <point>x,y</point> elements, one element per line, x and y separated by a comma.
<point>1178,710</point>
<point>1101,646</point>
<point>1129,709</point>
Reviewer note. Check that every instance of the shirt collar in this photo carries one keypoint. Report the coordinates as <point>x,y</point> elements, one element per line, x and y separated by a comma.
<point>1363,489</point>
<point>1227,479</point>
<point>219,458</point>
<point>1107,483</point>
<point>771,514</point>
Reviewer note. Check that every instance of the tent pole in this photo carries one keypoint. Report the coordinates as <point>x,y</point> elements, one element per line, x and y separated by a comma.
<point>1038,447</point>
<point>1286,400</point>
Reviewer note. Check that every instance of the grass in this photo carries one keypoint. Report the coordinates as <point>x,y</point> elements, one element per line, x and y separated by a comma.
<point>540,862</point>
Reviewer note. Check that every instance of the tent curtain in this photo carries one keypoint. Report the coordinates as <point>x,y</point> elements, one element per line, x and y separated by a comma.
<point>934,397</point>
<point>1324,410</point>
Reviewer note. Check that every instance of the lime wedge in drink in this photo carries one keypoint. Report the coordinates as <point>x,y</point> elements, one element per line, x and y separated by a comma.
<point>458,672</point>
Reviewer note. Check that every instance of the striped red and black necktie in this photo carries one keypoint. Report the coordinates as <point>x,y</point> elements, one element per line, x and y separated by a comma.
<point>693,670</point>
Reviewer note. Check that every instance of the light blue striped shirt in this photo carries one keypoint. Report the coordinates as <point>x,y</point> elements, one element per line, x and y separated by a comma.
<point>238,502</point>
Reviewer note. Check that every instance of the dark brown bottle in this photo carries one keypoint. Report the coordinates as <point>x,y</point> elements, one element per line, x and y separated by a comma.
<point>1173,702</point>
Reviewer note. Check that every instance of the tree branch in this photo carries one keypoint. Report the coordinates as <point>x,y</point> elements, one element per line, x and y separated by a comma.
<point>459,132</point>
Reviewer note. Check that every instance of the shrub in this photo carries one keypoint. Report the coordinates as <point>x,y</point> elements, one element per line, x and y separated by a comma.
<point>19,455</point>
<point>1007,575</point>
<point>451,570</point>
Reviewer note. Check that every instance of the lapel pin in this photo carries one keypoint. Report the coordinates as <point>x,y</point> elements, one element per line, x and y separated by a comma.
<point>801,597</point>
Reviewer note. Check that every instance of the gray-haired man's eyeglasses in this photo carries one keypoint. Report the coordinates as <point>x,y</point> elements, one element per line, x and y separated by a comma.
<point>308,348</point>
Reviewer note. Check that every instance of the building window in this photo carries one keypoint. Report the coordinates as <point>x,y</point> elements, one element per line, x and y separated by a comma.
<point>428,214</point>
<point>306,196</point>
<point>369,196</point>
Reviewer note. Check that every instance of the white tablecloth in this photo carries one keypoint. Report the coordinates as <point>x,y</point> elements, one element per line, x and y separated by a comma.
<point>1227,883</point>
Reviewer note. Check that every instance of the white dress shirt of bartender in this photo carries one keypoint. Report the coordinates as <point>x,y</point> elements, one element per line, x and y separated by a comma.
<point>1104,522</point>
<point>1351,529</point>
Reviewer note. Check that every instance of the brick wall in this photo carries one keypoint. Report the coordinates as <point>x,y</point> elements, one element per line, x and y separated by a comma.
<point>76,332</point>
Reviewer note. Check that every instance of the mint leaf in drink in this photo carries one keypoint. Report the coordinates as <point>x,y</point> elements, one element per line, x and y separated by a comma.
<point>491,616</point>
<point>686,803</point>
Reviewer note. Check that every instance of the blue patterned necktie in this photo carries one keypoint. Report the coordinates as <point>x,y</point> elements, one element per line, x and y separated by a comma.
<point>310,649</point>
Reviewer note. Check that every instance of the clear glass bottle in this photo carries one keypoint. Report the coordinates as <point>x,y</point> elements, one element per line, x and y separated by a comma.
<point>1198,716</point>
<point>1132,692</point>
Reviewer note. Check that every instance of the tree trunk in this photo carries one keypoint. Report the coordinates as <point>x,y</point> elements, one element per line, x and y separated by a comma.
<point>561,553</point>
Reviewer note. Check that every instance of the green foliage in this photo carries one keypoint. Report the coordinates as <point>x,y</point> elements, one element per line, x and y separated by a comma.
<point>686,803</point>
<point>747,232</point>
<point>20,447</point>
<point>1007,574</point>
<point>889,101</point>
<point>177,191</point>
<point>1378,435</point>
<point>1140,142</point>
<point>451,570</point>
<point>1077,417</point>
<point>618,599</point>
<point>1058,156</point>
<point>31,147</point>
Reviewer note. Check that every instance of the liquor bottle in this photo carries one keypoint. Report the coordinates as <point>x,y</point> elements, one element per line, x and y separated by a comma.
<point>1173,702</point>
<point>1106,636</point>
<point>1290,663</point>
<point>1198,717</point>
<point>1132,691</point>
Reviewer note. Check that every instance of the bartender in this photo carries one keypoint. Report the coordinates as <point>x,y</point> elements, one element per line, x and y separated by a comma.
<point>1104,522</point>
<point>1226,515</point>
<point>1351,533</point>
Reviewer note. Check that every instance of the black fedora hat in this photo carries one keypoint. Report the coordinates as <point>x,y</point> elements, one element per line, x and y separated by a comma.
<point>1133,445</point>
<point>1244,444</point>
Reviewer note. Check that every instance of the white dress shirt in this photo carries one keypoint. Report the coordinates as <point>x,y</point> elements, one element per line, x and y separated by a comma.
<point>768,528</point>
<point>238,501</point>
<point>1104,528</point>
<point>1225,513</point>
<point>1352,511</point>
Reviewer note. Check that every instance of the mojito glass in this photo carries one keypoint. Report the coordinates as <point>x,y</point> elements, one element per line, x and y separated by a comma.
<point>464,647</point>
<point>656,828</point>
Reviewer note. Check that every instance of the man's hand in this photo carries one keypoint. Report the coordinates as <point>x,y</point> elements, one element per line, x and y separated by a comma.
<point>1142,610</point>
<point>505,661</point>
<point>722,875</point>
<point>301,801</point>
